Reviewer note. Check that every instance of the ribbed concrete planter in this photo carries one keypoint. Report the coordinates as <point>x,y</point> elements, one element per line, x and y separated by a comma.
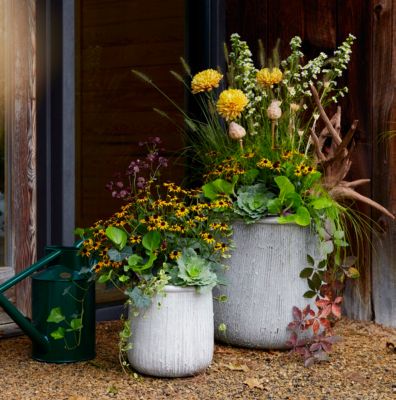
<point>263,283</point>
<point>176,339</point>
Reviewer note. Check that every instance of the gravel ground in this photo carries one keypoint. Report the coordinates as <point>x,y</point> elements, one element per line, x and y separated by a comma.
<point>363,366</point>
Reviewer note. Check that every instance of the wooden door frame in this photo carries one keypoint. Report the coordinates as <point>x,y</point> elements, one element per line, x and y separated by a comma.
<point>21,134</point>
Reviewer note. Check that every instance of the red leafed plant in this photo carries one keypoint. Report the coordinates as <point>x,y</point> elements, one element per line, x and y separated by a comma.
<point>311,332</point>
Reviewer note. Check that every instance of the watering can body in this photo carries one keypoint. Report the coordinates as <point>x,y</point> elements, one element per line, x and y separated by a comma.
<point>62,285</point>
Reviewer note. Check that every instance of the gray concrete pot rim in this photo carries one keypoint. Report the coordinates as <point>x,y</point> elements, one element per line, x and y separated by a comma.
<point>266,220</point>
<point>179,289</point>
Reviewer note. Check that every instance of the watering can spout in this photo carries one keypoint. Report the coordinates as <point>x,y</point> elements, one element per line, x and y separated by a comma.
<point>27,327</point>
<point>41,340</point>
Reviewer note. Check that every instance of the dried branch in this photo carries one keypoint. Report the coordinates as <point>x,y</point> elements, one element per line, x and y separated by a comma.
<point>342,192</point>
<point>324,116</point>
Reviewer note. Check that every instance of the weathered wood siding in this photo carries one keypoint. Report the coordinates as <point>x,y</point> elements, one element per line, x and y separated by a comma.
<point>323,25</point>
<point>114,106</point>
<point>384,158</point>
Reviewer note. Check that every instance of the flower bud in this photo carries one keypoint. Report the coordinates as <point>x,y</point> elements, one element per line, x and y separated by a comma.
<point>274,111</point>
<point>236,131</point>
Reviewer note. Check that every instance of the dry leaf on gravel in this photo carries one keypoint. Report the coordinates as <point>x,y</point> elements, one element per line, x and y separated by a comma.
<point>253,383</point>
<point>236,367</point>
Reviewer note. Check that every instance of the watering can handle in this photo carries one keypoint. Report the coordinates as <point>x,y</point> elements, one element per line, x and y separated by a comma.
<point>28,271</point>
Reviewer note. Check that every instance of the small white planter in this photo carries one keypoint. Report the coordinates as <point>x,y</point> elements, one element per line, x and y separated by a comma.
<point>175,339</point>
<point>263,283</point>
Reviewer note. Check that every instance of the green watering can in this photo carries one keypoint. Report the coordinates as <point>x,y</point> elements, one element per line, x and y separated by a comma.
<point>62,328</point>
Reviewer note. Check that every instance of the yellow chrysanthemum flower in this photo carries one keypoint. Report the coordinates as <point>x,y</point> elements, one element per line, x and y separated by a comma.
<point>267,77</point>
<point>231,103</point>
<point>205,81</point>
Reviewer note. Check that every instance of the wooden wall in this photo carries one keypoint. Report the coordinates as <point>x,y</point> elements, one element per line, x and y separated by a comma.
<point>114,108</point>
<point>323,25</point>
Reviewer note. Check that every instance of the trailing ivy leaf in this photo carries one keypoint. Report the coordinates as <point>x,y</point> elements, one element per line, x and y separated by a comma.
<point>216,188</point>
<point>311,285</point>
<point>56,316</point>
<point>306,273</point>
<point>316,281</point>
<point>58,334</point>
<point>76,324</point>
<point>322,264</point>
<point>117,236</point>
<point>310,260</point>
<point>339,235</point>
<point>139,299</point>
<point>151,241</point>
<point>309,294</point>
<point>327,247</point>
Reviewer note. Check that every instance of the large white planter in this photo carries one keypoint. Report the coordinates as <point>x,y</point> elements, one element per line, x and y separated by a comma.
<point>263,283</point>
<point>175,339</point>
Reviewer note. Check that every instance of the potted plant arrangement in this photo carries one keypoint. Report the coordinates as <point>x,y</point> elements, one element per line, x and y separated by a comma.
<point>164,250</point>
<point>267,145</point>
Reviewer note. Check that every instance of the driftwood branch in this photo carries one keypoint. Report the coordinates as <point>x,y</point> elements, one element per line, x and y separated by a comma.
<point>324,116</point>
<point>336,161</point>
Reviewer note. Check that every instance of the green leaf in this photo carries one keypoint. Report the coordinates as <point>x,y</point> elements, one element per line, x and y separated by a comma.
<point>151,241</point>
<point>353,273</point>
<point>117,236</point>
<point>249,176</point>
<point>327,247</point>
<point>311,284</point>
<point>134,259</point>
<point>105,277</point>
<point>123,278</point>
<point>217,188</point>
<point>76,324</point>
<point>316,281</point>
<point>339,235</point>
<point>306,273</point>
<point>117,256</point>
<point>79,232</point>
<point>58,334</point>
<point>56,315</point>
<point>310,260</point>
<point>322,264</point>
<point>274,206</point>
<point>341,243</point>
<point>309,294</point>
<point>321,203</point>
<point>303,218</point>
<point>285,186</point>
<point>139,299</point>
